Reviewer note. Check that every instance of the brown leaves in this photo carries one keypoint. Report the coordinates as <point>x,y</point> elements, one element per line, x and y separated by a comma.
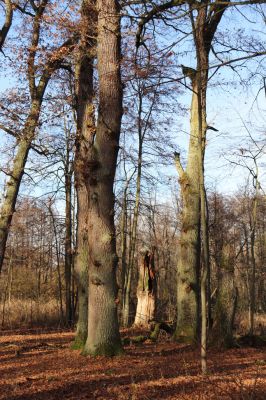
<point>164,370</point>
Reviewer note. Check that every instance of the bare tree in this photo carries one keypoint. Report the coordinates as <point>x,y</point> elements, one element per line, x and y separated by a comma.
<point>37,86</point>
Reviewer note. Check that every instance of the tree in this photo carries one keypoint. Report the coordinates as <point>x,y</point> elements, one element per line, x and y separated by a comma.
<point>204,26</point>
<point>103,333</point>
<point>248,158</point>
<point>37,87</point>
<point>205,17</point>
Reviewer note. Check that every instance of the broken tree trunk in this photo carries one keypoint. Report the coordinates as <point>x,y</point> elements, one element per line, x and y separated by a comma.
<point>146,291</point>
<point>189,240</point>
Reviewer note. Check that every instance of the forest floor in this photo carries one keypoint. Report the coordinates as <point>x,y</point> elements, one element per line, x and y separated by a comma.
<point>40,365</point>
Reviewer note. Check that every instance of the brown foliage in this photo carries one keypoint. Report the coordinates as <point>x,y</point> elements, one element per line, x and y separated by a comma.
<point>41,366</point>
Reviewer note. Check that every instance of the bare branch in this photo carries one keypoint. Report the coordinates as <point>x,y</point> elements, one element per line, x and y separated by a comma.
<point>7,24</point>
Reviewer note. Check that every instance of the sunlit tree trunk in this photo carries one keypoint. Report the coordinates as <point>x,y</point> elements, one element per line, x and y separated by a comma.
<point>68,236</point>
<point>146,291</point>
<point>124,237</point>
<point>103,333</point>
<point>132,248</point>
<point>189,240</point>
<point>133,233</point>
<point>194,217</point>
<point>252,252</point>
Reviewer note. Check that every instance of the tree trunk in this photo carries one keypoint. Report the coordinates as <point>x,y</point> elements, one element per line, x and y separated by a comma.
<point>225,309</point>
<point>103,332</point>
<point>57,253</point>
<point>132,249</point>
<point>84,139</point>
<point>189,241</point>
<point>124,238</point>
<point>204,28</point>
<point>253,257</point>
<point>124,221</point>
<point>81,267</point>
<point>146,292</point>
<point>68,246</point>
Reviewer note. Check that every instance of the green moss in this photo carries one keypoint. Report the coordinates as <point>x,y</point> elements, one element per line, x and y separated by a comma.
<point>78,344</point>
<point>155,333</point>
<point>105,349</point>
<point>138,339</point>
<point>125,341</point>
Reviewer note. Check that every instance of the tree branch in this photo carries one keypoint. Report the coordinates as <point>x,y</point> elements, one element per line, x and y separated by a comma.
<point>9,131</point>
<point>178,164</point>
<point>157,9</point>
<point>7,24</point>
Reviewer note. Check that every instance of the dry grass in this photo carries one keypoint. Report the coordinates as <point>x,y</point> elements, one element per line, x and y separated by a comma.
<point>29,313</point>
<point>243,323</point>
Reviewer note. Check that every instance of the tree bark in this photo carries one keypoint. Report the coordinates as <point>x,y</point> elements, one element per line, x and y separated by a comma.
<point>189,240</point>
<point>194,218</point>
<point>146,292</point>
<point>68,173</point>
<point>103,332</point>
<point>84,139</point>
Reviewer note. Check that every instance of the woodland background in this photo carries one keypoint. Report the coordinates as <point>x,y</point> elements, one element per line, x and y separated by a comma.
<point>133,151</point>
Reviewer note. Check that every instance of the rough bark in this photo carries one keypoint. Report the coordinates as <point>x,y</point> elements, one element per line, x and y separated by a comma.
<point>84,139</point>
<point>103,333</point>
<point>189,240</point>
<point>146,292</point>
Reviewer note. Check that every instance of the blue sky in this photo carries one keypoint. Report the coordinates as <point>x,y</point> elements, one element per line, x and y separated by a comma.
<point>228,107</point>
<point>231,107</point>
